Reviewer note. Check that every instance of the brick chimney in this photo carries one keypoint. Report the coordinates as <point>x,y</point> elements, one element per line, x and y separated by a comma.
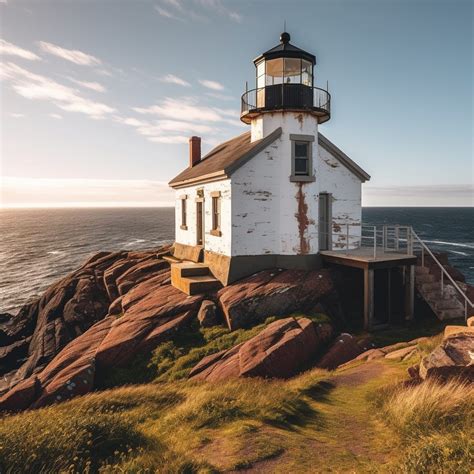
<point>194,151</point>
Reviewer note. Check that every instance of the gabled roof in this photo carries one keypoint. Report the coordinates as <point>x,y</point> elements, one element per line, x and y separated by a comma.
<point>343,158</point>
<point>225,158</point>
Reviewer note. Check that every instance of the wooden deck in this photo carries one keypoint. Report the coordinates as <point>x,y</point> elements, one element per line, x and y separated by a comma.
<point>364,258</point>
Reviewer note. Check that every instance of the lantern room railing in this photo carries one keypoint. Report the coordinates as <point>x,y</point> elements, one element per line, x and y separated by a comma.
<point>287,96</point>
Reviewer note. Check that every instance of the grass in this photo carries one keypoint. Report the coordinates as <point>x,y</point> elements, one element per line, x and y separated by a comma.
<point>435,422</point>
<point>154,426</point>
<point>174,359</point>
<point>351,420</point>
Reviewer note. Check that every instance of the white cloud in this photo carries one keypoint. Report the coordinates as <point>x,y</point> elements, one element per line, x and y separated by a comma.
<point>186,109</point>
<point>216,95</point>
<point>219,7</point>
<point>9,49</point>
<point>36,87</point>
<point>421,195</point>
<point>40,192</point>
<point>72,55</point>
<point>17,115</point>
<point>166,13</point>
<point>169,139</point>
<point>56,116</point>
<point>165,130</point>
<point>172,79</point>
<point>214,85</point>
<point>177,10</point>
<point>94,86</point>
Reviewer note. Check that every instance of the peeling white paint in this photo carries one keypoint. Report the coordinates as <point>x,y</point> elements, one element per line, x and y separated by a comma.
<point>259,204</point>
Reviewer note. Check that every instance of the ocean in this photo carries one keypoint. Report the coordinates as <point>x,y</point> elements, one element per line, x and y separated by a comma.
<point>37,247</point>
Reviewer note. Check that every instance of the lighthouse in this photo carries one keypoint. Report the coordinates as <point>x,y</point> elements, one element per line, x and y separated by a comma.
<point>275,196</point>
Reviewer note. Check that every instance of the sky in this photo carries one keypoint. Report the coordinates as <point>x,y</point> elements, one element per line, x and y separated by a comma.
<point>98,98</point>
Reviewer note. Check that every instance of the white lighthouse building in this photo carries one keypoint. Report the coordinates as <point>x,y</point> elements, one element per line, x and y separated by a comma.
<point>277,195</point>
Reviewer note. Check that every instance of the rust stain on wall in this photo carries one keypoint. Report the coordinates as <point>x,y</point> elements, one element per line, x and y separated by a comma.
<point>302,218</point>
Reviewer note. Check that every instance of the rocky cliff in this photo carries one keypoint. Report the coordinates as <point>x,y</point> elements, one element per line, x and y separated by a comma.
<point>121,304</point>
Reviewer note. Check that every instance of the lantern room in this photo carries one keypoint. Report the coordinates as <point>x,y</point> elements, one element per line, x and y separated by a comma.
<point>285,81</point>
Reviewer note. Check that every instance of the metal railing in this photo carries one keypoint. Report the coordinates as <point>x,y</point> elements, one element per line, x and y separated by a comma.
<point>286,96</point>
<point>375,240</point>
<point>378,241</point>
<point>444,273</point>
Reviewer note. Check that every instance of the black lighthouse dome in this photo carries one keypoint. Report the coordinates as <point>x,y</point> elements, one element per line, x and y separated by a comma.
<point>285,81</point>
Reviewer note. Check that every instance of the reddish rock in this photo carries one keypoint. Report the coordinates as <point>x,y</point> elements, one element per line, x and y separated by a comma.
<point>145,269</point>
<point>282,349</point>
<point>343,349</point>
<point>454,357</point>
<point>136,294</point>
<point>400,354</point>
<point>66,310</point>
<point>275,293</point>
<point>71,372</point>
<point>161,306</point>
<point>207,314</point>
<point>21,396</point>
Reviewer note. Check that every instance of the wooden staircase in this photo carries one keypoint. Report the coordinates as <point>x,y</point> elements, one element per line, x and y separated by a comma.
<point>442,298</point>
<point>193,278</point>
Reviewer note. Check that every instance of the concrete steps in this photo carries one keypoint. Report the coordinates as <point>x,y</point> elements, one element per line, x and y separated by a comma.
<point>193,278</point>
<point>445,304</point>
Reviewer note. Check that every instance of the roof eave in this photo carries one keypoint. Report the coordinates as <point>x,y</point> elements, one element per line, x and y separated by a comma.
<point>206,178</point>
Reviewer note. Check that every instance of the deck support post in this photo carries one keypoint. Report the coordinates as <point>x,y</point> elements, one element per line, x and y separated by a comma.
<point>409,291</point>
<point>389,294</point>
<point>368,297</point>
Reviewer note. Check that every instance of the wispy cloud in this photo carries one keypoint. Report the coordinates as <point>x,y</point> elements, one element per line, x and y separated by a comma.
<point>216,95</point>
<point>172,79</point>
<point>17,115</point>
<point>219,7</point>
<point>214,85</point>
<point>37,87</point>
<point>187,109</point>
<point>72,55</point>
<point>167,14</point>
<point>9,49</point>
<point>198,10</point>
<point>39,192</point>
<point>166,131</point>
<point>56,116</point>
<point>173,120</point>
<point>94,86</point>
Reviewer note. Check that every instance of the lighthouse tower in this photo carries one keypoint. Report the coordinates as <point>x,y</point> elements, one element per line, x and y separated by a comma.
<point>285,92</point>
<point>277,195</point>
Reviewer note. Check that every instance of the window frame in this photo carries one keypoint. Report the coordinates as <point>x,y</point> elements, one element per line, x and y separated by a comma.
<point>216,213</point>
<point>308,139</point>
<point>184,212</point>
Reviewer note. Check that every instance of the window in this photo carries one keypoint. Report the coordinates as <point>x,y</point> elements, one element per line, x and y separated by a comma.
<point>292,71</point>
<point>216,214</point>
<point>274,73</point>
<point>301,158</point>
<point>306,73</point>
<point>184,225</point>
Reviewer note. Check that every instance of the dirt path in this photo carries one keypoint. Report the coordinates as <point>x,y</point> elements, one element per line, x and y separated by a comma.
<point>348,434</point>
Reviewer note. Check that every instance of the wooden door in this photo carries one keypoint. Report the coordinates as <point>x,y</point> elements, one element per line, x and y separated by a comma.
<point>325,221</point>
<point>199,223</point>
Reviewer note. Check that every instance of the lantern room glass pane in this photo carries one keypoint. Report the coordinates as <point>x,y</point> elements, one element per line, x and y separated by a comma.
<point>261,68</point>
<point>274,73</point>
<point>306,73</point>
<point>292,71</point>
